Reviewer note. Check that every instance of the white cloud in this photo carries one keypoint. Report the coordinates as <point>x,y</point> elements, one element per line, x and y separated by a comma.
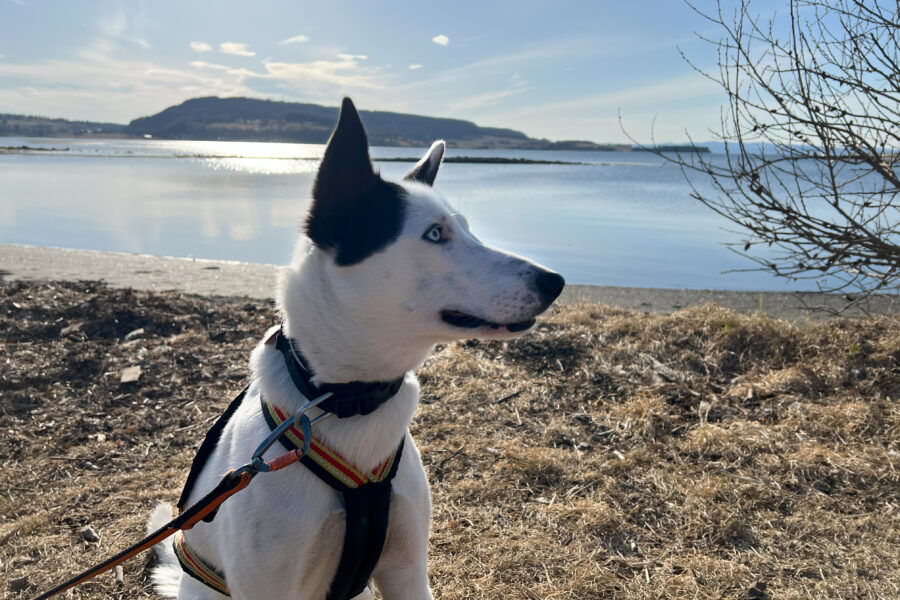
<point>344,56</point>
<point>414,67</point>
<point>236,48</point>
<point>201,47</point>
<point>689,102</point>
<point>486,99</point>
<point>441,40</point>
<point>328,74</point>
<point>124,27</point>
<point>297,39</point>
<point>321,76</point>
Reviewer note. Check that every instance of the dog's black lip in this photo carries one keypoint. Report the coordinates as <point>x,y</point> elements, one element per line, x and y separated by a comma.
<point>457,318</point>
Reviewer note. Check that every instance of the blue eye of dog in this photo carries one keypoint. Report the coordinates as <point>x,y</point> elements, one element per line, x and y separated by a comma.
<point>434,234</point>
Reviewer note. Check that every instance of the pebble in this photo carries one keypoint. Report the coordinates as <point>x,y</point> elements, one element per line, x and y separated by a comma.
<point>134,334</point>
<point>131,374</point>
<point>19,584</point>
<point>90,534</point>
<point>71,328</point>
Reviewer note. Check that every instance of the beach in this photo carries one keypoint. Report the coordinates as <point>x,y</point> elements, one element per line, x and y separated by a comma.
<point>231,278</point>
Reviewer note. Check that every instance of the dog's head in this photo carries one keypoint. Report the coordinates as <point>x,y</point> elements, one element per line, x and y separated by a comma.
<point>404,257</point>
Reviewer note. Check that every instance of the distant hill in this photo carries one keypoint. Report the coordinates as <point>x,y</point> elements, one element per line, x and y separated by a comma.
<point>28,126</point>
<point>267,120</point>
<point>271,121</point>
<point>249,119</point>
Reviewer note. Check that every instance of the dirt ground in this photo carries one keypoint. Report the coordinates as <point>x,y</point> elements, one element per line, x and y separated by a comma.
<point>607,454</point>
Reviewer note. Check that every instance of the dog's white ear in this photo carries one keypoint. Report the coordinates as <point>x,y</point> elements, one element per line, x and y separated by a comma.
<point>354,212</point>
<point>426,169</point>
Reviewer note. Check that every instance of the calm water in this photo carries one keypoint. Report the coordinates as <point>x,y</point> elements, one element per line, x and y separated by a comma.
<point>624,219</point>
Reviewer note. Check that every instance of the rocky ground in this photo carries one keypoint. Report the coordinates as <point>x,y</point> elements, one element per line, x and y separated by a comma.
<point>607,454</point>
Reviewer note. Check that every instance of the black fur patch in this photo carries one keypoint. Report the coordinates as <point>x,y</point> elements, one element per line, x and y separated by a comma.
<point>424,171</point>
<point>361,226</point>
<point>354,213</point>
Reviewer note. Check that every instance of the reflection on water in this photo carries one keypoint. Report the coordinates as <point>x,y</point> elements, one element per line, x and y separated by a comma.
<point>261,166</point>
<point>625,219</point>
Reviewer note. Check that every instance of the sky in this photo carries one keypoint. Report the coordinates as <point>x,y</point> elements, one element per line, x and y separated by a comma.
<point>557,70</point>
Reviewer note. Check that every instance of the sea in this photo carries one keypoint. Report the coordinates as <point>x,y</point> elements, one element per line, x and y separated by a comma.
<point>615,218</point>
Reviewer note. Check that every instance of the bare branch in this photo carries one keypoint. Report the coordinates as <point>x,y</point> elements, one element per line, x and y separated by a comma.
<point>811,169</point>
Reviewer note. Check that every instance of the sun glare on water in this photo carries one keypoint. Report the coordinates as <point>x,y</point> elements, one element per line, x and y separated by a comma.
<point>252,157</point>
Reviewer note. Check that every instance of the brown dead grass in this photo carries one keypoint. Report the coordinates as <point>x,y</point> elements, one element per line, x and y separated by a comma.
<point>608,454</point>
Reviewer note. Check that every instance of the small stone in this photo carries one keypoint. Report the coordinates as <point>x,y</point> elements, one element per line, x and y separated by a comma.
<point>758,591</point>
<point>131,374</point>
<point>120,574</point>
<point>20,584</point>
<point>90,534</point>
<point>134,334</point>
<point>583,418</point>
<point>71,328</point>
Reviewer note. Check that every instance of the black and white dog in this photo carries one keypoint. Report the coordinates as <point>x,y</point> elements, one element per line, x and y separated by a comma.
<point>385,271</point>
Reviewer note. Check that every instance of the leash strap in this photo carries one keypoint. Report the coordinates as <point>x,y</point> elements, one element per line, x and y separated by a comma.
<point>202,510</point>
<point>230,484</point>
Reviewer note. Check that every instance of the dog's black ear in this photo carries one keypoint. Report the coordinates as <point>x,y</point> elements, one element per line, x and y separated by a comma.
<point>345,170</point>
<point>426,169</point>
<point>354,212</point>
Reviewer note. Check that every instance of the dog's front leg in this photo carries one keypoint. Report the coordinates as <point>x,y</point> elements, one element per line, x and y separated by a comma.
<point>402,572</point>
<point>408,582</point>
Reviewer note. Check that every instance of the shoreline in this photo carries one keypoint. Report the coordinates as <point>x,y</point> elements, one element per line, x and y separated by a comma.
<point>207,277</point>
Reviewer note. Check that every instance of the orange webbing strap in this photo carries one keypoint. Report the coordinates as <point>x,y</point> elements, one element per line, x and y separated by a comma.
<point>232,483</point>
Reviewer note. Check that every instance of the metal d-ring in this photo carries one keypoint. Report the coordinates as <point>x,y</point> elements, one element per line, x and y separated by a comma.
<point>257,463</point>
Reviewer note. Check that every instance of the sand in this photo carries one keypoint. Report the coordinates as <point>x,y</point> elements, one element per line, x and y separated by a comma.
<point>230,278</point>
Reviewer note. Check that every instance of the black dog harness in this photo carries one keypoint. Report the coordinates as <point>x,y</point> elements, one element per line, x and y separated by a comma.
<point>366,496</point>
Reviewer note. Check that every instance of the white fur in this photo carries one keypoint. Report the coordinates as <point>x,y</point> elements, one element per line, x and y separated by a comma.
<point>375,320</point>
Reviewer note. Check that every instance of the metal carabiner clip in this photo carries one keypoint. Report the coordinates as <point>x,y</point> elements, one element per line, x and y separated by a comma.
<point>258,464</point>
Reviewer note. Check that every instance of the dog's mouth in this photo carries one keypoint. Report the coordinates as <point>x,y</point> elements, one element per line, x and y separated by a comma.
<point>457,318</point>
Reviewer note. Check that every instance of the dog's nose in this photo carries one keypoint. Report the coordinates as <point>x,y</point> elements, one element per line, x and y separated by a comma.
<point>550,285</point>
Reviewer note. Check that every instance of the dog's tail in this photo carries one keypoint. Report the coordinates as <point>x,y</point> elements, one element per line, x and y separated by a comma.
<point>167,574</point>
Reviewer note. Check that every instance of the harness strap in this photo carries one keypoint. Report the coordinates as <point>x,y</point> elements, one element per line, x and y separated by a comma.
<point>328,465</point>
<point>367,500</point>
<point>194,565</point>
<point>206,449</point>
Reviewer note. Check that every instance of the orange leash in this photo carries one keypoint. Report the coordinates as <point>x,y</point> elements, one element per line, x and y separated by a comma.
<point>231,483</point>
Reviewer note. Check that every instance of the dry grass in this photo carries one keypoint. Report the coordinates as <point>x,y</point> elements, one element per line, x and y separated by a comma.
<point>608,454</point>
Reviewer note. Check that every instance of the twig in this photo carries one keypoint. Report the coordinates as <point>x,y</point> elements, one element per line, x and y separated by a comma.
<point>509,397</point>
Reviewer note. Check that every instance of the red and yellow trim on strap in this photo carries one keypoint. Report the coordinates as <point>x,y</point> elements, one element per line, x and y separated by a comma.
<point>196,566</point>
<point>330,460</point>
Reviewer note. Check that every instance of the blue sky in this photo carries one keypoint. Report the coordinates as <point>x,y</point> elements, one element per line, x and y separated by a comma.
<point>560,70</point>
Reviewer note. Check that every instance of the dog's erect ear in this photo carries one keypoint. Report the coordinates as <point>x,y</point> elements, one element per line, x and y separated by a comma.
<point>346,169</point>
<point>354,212</point>
<point>426,169</point>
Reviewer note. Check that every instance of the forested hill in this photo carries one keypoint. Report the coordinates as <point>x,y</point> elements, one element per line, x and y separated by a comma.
<point>267,120</point>
<point>248,119</point>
